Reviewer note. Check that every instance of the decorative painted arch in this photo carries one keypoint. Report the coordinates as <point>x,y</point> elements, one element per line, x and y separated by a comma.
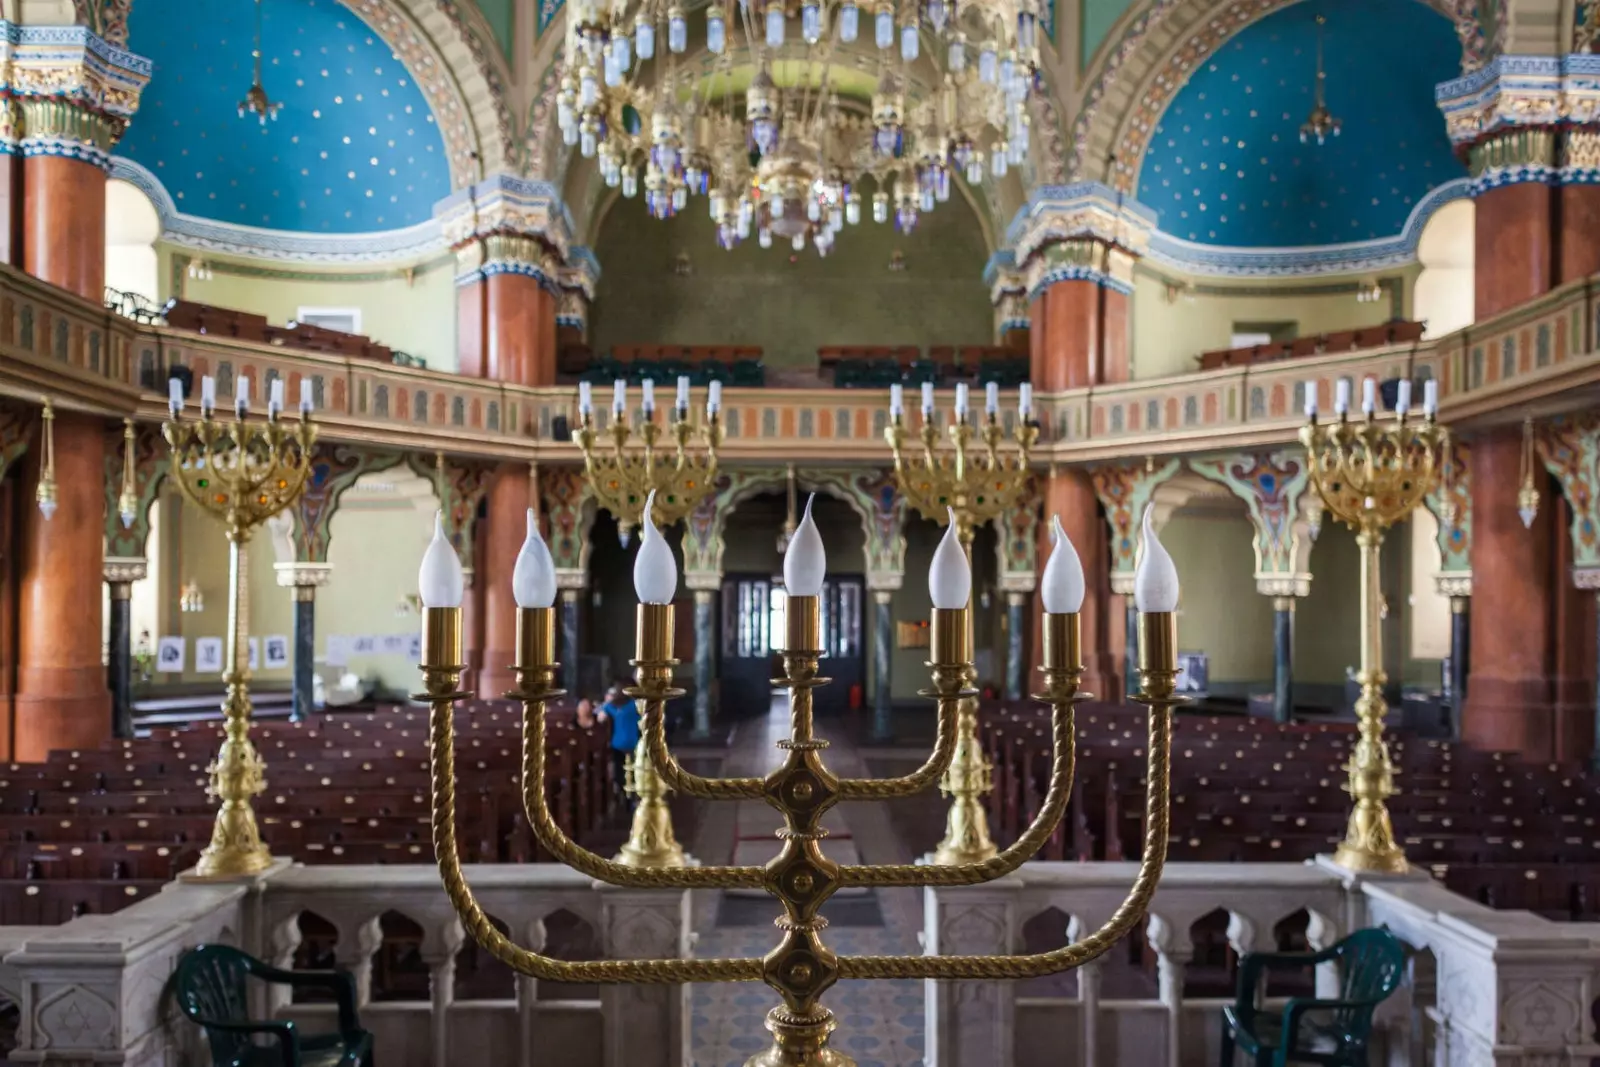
<point>151,463</point>
<point>334,469</point>
<point>1272,485</point>
<point>871,494</point>
<point>462,76</point>
<point>1132,81</point>
<point>460,487</point>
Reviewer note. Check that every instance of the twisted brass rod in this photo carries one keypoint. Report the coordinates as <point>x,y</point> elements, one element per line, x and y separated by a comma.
<point>672,772</point>
<point>477,924</point>
<point>1023,849</point>
<point>1096,944</point>
<point>574,855</point>
<point>938,761</point>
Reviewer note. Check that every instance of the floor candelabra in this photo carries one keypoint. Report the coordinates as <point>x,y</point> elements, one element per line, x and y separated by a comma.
<point>1369,475</point>
<point>242,473</point>
<point>801,968</point>
<point>969,484</point>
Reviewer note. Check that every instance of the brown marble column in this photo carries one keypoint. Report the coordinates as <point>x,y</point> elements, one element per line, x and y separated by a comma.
<point>64,227</point>
<point>1515,575</point>
<point>507,528</point>
<point>1069,493</point>
<point>472,316</point>
<point>515,330</point>
<point>1079,336</point>
<point>1580,232</point>
<point>1515,247</point>
<point>61,698</point>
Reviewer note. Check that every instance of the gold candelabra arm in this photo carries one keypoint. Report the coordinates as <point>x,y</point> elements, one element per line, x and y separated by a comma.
<point>672,772</point>
<point>949,690</point>
<point>441,678</point>
<point>1158,670</point>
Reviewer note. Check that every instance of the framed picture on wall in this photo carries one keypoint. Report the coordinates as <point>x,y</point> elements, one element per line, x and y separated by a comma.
<point>170,654</point>
<point>255,653</point>
<point>208,655</point>
<point>276,648</point>
<point>1194,672</point>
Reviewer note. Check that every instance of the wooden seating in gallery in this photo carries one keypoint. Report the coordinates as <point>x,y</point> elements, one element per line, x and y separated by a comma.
<point>1248,790</point>
<point>1390,333</point>
<point>246,326</point>
<point>738,365</point>
<point>137,813</point>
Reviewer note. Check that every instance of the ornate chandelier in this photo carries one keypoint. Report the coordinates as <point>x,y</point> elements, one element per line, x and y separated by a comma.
<point>256,102</point>
<point>788,157</point>
<point>1320,124</point>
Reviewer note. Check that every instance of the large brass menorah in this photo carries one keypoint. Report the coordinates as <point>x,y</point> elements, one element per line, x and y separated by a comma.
<point>241,473</point>
<point>1369,476</point>
<point>801,967</point>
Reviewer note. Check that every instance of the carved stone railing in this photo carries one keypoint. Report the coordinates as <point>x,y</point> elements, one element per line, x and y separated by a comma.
<point>89,991</point>
<point>51,341</point>
<point>1485,988</point>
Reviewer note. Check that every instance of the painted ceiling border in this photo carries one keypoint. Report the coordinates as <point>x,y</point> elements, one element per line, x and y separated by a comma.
<point>422,241</point>
<point>1354,257</point>
<point>1125,101</point>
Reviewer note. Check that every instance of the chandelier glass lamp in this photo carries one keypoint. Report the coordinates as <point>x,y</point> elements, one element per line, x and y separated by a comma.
<point>256,102</point>
<point>767,134</point>
<point>1320,124</point>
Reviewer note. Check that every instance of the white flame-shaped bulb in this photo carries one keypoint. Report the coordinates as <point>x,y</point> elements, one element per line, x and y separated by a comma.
<point>1155,584</point>
<point>1062,585</point>
<point>440,580</point>
<point>655,572</point>
<point>533,580</point>
<point>950,578</point>
<point>805,563</point>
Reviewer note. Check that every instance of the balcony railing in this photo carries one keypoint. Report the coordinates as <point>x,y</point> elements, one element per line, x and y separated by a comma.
<point>1485,988</point>
<point>51,341</point>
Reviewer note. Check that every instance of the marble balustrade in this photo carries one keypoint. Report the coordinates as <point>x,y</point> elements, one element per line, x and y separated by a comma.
<point>1486,988</point>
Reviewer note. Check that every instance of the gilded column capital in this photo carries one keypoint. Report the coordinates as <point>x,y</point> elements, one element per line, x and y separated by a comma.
<point>1453,583</point>
<point>575,289</point>
<point>300,575</point>
<point>1284,585</point>
<point>124,569</point>
<point>885,581</point>
<point>1523,118</point>
<point>508,225</point>
<point>1085,232</point>
<point>1008,294</point>
<point>66,92</point>
<point>1019,583</point>
<point>1586,578</point>
<point>571,578</point>
<point>702,581</point>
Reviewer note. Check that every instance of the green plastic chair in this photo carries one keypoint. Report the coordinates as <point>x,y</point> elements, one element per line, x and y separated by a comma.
<point>210,988</point>
<point>1329,1032</point>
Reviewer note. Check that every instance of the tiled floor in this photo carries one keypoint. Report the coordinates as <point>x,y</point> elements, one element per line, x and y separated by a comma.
<point>880,1023</point>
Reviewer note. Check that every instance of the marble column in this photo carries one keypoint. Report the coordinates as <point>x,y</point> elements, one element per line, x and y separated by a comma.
<point>120,574</point>
<point>1460,658</point>
<point>1283,658</point>
<point>302,580</point>
<point>882,664</point>
<point>571,639</point>
<point>61,699</point>
<point>1016,618</point>
<point>705,661</point>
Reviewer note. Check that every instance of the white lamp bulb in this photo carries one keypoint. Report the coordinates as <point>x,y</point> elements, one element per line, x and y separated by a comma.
<point>805,562</point>
<point>1155,584</point>
<point>533,579</point>
<point>950,577</point>
<point>655,572</point>
<point>1062,585</point>
<point>440,580</point>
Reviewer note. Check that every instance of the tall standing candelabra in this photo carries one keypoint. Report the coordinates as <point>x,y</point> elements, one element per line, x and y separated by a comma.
<point>1369,475</point>
<point>622,477</point>
<point>967,490</point>
<point>241,473</point>
<point>640,485</point>
<point>801,968</point>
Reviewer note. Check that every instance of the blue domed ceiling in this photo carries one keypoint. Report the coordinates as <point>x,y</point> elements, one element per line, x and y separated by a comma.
<point>355,148</point>
<point>1225,165</point>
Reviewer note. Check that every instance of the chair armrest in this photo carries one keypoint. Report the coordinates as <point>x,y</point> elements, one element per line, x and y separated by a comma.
<point>282,1029</point>
<point>341,983</point>
<point>1253,964</point>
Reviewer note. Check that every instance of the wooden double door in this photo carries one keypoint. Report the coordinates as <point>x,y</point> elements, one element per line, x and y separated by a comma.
<point>753,628</point>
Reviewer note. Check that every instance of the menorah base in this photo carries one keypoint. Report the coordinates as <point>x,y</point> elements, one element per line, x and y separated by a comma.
<point>800,1041</point>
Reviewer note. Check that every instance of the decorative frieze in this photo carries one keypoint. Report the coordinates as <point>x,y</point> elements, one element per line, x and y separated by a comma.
<point>1513,91</point>
<point>67,92</point>
<point>507,205</point>
<point>1085,231</point>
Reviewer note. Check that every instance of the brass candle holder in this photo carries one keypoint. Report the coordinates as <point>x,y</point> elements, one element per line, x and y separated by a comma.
<point>241,473</point>
<point>1370,475</point>
<point>801,968</point>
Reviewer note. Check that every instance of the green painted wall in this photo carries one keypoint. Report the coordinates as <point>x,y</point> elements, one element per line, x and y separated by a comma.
<point>416,315</point>
<point>501,16</point>
<point>1221,614</point>
<point>1095,19</point>
<point>790,303</point>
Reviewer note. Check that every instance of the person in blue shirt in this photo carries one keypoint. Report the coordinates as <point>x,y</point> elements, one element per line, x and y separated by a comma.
<point>624,715</point>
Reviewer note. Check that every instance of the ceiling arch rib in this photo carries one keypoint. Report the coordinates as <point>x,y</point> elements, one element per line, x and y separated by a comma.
<point>1134,79</point>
